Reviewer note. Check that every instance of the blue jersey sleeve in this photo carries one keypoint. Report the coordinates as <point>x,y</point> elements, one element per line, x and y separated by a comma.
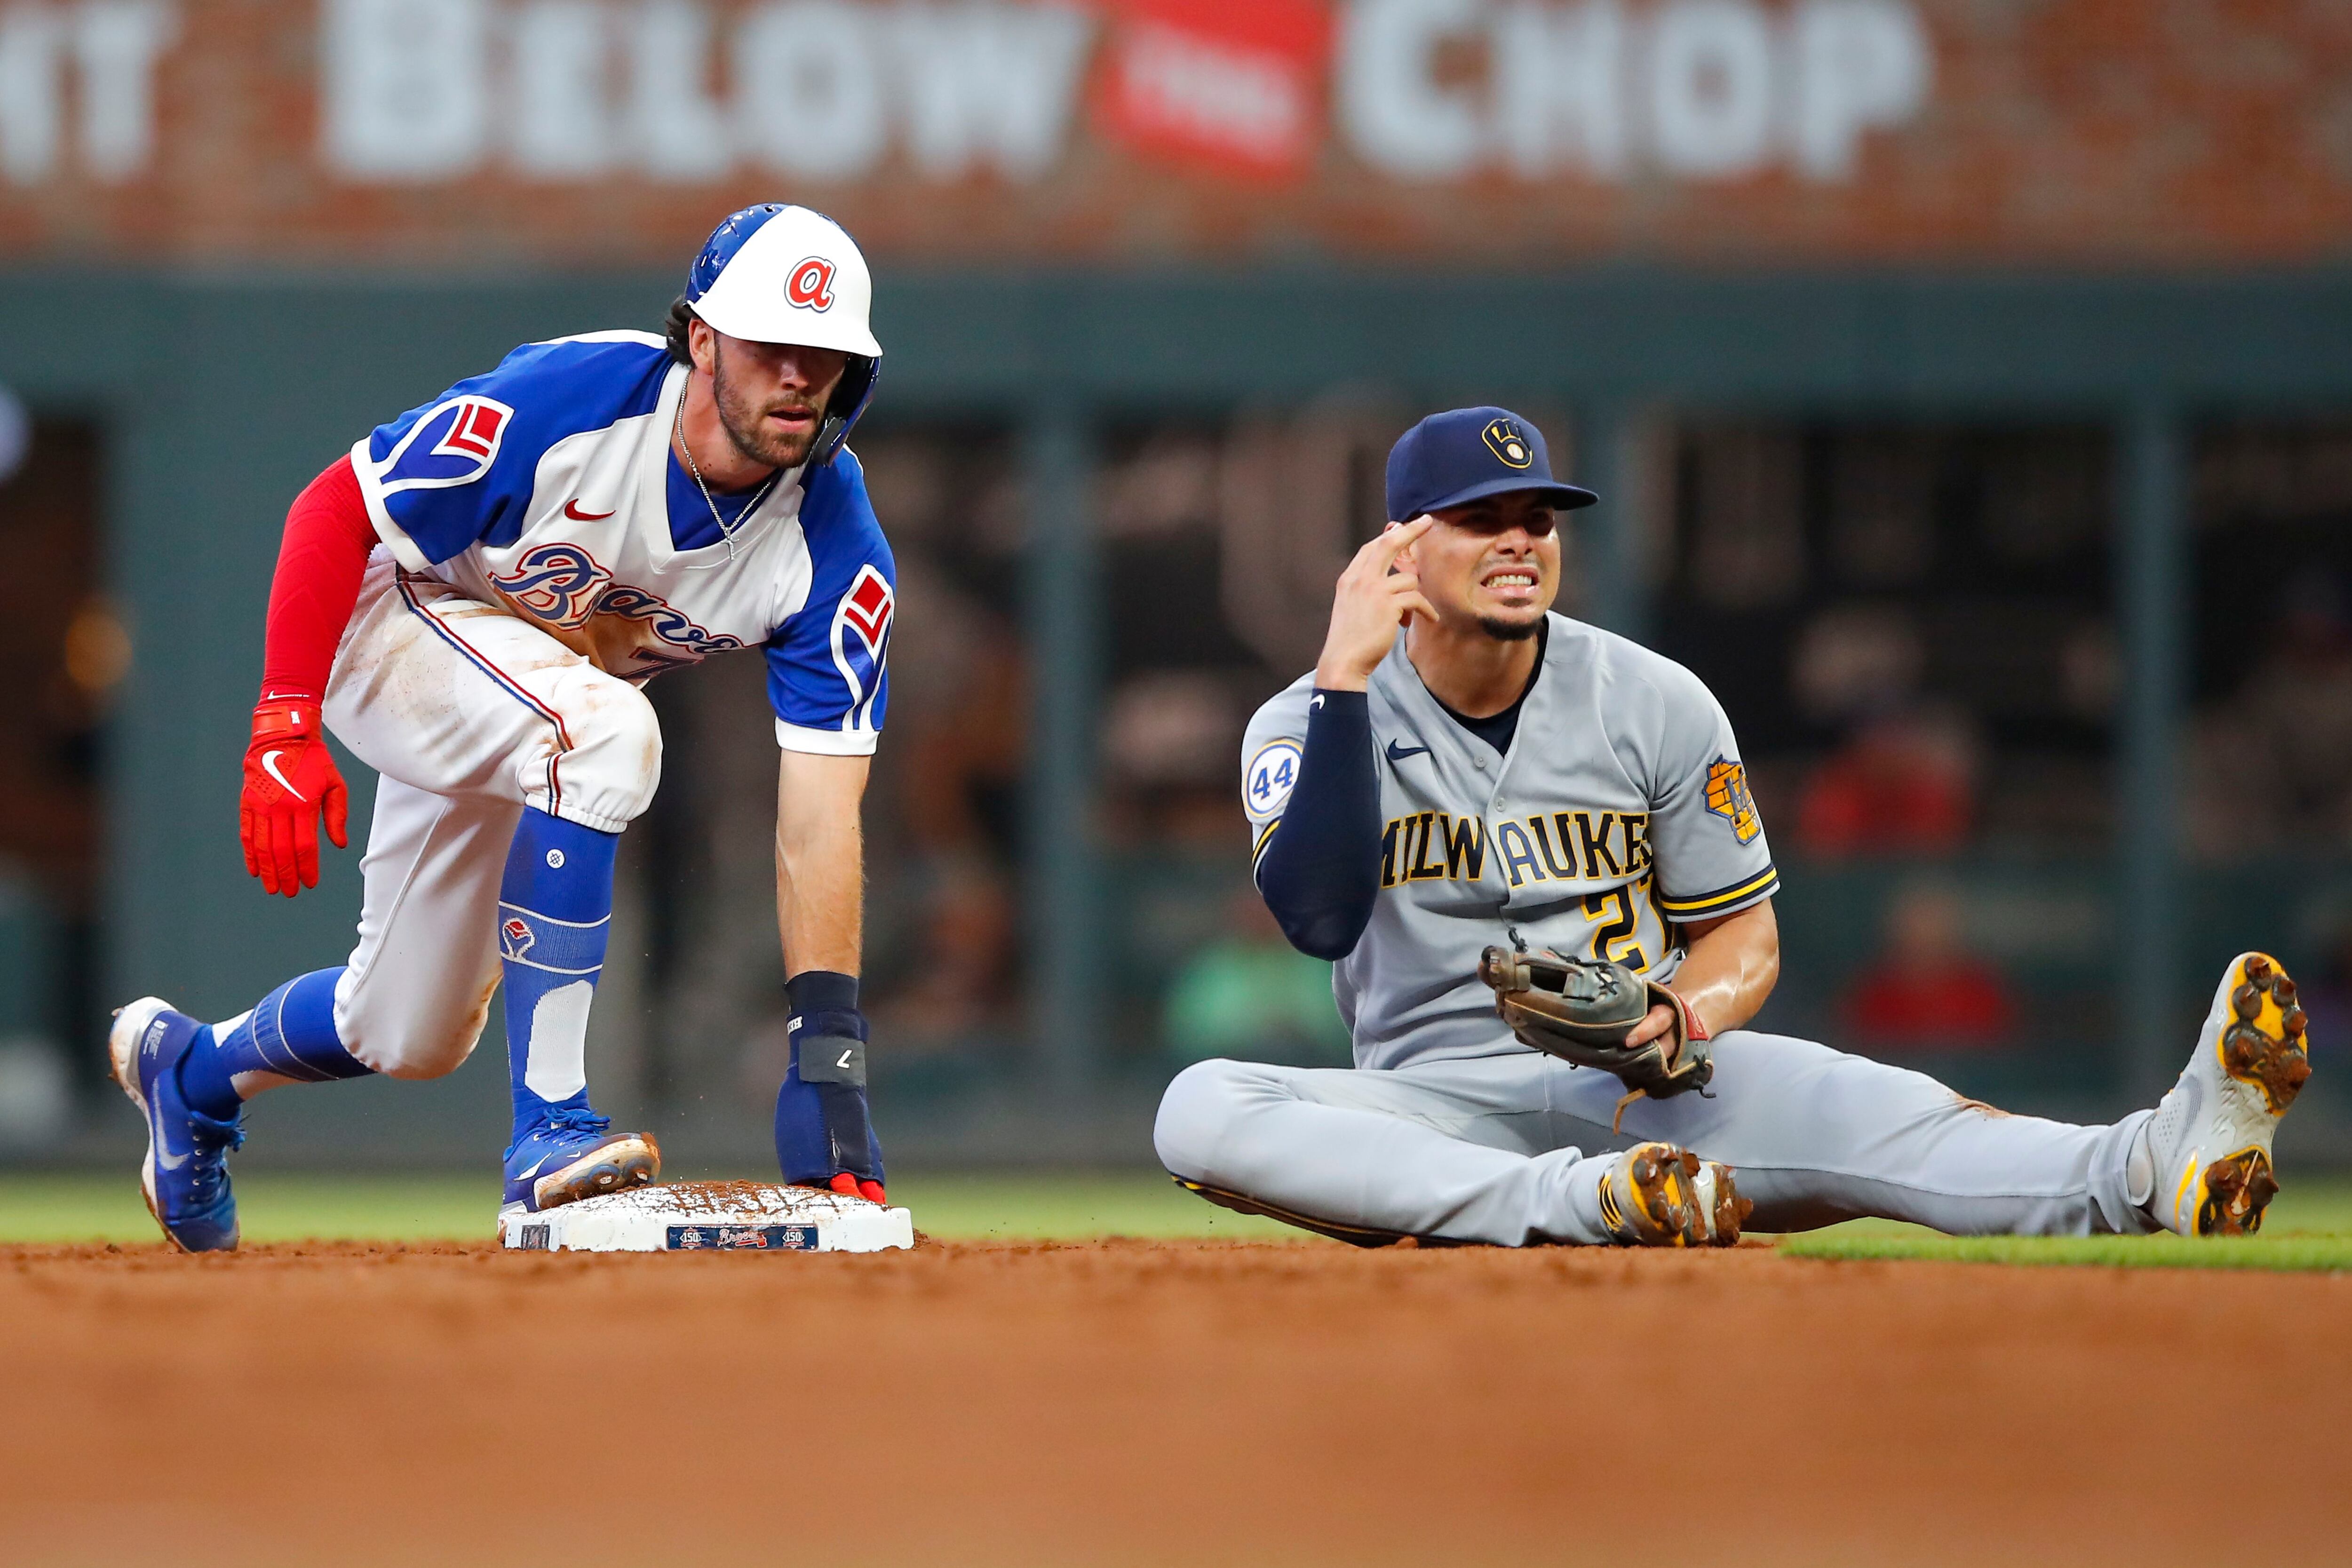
<point>829,664</point>
<point>462,468</point>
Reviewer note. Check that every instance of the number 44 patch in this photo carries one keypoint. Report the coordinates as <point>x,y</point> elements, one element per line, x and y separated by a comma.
<point>1268,779</point>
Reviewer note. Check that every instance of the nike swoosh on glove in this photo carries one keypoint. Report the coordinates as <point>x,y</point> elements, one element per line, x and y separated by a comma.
<point>290,782</point>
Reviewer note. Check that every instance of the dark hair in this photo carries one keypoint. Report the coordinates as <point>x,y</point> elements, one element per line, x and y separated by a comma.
<point>680,313</point>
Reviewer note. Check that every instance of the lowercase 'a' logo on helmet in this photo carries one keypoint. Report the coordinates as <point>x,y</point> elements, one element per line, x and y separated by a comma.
<point>1508,442</point>
<point>809,286</point>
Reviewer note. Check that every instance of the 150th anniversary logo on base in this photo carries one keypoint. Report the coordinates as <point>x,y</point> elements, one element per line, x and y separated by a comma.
<point>743,1237</point>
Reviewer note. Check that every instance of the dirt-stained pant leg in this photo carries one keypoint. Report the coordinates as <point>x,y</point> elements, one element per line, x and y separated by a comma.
<point>417,990</point>
<point>1461,1150</point>
<point>1820,1136</point>
<point>470,714</point>
<point>1494,1149</point>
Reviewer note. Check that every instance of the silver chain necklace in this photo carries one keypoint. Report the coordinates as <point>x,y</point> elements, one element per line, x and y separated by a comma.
<point>727,532</point>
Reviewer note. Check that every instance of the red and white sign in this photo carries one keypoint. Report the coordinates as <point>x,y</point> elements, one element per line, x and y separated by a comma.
<point>1239,88</point>
<point>1512,133</point>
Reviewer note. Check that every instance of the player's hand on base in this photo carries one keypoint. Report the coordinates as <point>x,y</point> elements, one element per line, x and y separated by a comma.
<point>1377,593</point>
<point>290,782</point>
<point>825,1129</point>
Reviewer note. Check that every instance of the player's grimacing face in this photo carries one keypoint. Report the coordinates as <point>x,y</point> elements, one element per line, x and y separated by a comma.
<point>1495,561</point>
<point>771,396</point>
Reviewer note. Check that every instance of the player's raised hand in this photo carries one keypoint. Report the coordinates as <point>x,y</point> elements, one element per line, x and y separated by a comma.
<point>290,782</point>
<point>1377,593</point>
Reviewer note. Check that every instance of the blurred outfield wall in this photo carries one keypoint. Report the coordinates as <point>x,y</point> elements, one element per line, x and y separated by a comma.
<point>238,235</point>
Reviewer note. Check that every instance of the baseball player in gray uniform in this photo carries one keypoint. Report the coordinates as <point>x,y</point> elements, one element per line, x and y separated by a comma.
<point>1466,771</point>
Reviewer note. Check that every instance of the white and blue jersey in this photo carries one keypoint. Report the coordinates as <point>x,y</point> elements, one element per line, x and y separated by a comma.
<point>549,485</point>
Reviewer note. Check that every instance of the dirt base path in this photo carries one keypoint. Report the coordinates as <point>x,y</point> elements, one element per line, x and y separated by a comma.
<point>1161,1402</point>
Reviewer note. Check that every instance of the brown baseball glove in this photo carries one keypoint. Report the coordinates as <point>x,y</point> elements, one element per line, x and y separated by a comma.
<point>1581,1010</point>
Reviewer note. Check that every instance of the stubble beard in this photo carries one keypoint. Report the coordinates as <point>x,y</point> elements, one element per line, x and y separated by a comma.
<point>1508,631</point>
<point>746,425</point>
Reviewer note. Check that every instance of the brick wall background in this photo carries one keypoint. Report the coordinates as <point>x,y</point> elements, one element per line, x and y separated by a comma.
<point>2125,133</point>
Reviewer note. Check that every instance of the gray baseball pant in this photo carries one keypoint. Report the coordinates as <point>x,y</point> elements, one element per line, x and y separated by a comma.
<point>1503,1148</point>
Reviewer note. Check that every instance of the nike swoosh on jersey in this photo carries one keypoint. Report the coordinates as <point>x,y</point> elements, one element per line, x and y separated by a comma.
<point>269,766</point>
<point>1398,753</point>
<point>572,509</point>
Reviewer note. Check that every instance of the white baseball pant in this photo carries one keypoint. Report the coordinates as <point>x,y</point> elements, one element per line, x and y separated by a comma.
<point>469,714</point>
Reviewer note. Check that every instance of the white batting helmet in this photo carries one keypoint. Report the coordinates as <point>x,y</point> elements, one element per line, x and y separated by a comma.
<point>779,274</point>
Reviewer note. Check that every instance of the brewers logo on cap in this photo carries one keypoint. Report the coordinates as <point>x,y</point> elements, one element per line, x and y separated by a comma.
<point>1508,442</point>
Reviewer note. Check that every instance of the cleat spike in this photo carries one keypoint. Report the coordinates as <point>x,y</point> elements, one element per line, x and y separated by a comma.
<point>2258,968</point>
<point>2294,1023</point>
<point>2284,992</point>
<point>2246,1001</point>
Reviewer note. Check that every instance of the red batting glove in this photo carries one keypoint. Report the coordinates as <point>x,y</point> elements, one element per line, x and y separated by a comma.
<point>291,781</point>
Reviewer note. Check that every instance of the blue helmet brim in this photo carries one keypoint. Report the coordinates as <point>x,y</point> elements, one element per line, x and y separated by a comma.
<point>1565,498</point>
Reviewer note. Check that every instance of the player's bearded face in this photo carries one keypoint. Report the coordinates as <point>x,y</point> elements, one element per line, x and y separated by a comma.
<point>771,397</point>
<point>1495,561</point>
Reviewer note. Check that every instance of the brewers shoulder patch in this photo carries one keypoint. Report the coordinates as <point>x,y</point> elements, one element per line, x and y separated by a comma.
<point>1727,797</point>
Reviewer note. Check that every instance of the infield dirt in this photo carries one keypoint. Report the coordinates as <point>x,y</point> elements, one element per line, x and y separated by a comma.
<point>1161,1402</point>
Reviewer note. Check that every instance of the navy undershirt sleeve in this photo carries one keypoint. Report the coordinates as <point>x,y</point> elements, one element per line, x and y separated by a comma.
<point>1321,869</point>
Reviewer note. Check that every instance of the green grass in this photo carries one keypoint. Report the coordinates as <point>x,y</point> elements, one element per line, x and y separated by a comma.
<point>283,1206</point>
<point>2308,1227</point>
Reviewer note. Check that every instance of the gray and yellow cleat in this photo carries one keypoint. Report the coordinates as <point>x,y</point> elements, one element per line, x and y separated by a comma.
<point>2210,1139</point>
<point>1654,1195</point>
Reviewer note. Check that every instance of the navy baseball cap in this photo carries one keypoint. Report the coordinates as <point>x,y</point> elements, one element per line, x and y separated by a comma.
<point>1466,454</point>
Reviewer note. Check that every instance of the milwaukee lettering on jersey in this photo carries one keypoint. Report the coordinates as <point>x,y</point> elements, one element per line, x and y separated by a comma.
<point>1593,833</point>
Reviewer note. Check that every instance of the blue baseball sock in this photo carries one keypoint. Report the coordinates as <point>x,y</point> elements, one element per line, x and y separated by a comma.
<point>555,910</point>
<point>289,1034</point>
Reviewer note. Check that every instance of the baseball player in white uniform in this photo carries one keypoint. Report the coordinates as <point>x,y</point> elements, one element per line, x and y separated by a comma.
<point>470,601</point>
<point>1466,771</point>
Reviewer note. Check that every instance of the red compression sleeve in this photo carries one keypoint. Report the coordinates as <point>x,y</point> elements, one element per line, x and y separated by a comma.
<point>319,563</point>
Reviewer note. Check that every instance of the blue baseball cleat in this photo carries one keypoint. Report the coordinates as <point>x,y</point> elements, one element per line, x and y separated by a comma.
<point>186,1177</point>
<point>569,1154</point>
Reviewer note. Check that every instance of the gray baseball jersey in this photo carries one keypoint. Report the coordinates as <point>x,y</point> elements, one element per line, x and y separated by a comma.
<point>1620,812</point>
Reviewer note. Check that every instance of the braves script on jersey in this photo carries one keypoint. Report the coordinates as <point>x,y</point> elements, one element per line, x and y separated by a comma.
<point>1620,808</point>
<point>546,484</point>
